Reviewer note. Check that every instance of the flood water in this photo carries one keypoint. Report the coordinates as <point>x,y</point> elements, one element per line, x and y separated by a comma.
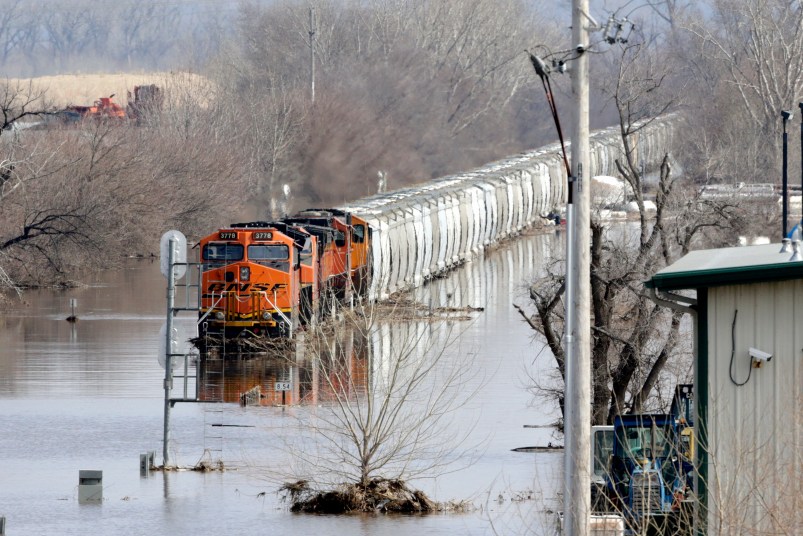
<point>89,396</point>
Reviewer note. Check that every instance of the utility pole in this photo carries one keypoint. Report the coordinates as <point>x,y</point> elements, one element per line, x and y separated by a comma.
<point>785,177</point>
<point>577,402</point>
<point>312,53</point>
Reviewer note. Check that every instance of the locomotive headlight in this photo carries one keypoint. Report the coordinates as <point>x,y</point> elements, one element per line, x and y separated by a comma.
<point>245,273</point>
<point>219,315</point>
<point>265,315</point>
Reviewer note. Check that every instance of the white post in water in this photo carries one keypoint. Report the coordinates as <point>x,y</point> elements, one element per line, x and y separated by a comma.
<point>577,401</point>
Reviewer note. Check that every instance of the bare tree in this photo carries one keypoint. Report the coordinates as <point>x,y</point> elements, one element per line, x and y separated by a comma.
<point>416,90</point>
<point>69,30</point>
<point>39,228</point>
<point>43,37</point>
<point>474,46</point>
<point>389,389</point>
<point>67,194</point>
<point>755,47</point>
<point>146,31</point>
<point>27,50</point>
<point>269,133</point>
<point>19,100</point>
<point>11,32</point>
<point>633,338</point>
<point>670,11</point>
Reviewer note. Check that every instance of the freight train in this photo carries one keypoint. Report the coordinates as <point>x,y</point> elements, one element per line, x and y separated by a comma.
<point>402,238</point>
<point>269,278</point>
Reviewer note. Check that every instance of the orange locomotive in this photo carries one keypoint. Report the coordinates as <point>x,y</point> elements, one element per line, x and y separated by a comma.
<point>347,246</point>
<point>251,279</point>
<point>270,278</point>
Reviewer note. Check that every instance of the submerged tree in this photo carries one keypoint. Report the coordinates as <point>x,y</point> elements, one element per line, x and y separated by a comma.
<point>382,414</point>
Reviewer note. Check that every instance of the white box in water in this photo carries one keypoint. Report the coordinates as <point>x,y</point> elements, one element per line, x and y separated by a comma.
<point>90,486</point>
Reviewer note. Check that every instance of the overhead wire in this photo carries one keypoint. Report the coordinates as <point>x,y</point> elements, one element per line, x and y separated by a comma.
<point>543,72</point>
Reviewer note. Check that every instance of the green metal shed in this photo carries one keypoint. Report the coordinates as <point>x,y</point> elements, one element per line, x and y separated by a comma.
<point>748,383</point>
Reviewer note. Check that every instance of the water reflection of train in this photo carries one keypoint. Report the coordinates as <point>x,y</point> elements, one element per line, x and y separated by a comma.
<point>329,372</point>
<point>269,278</point>
<point>356,359</point>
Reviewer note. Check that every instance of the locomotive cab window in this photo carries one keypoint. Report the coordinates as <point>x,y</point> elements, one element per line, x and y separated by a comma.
<point>358,234</point>
<point>217,254</point>
<point>340,239</point>
<point>306,253</point>
<point>268,252</point>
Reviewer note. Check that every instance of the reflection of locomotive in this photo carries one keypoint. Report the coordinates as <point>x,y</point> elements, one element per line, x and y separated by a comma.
<point>267,278</point>
<point>334,371</point>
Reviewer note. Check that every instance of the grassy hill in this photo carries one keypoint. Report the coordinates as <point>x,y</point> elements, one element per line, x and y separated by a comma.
<point>84,89</point>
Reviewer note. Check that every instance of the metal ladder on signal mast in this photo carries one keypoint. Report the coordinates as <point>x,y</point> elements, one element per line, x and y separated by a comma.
<point>200,378</point>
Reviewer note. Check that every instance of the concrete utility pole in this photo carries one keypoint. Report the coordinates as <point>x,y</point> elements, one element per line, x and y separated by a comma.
<point>577,402</point>
<point>312,53</point>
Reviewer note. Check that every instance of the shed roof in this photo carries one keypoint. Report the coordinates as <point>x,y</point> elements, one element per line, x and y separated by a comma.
<point>728,266</point>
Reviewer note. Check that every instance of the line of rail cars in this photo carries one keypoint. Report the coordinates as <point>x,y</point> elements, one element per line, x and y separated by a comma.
<point>422,231</point>
<point>269,278</point>
<point>395,241</point>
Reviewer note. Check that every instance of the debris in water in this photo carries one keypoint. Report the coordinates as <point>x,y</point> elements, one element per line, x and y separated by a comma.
<point>251,397</point>
<point>549,448</point>
<point>379,495</point>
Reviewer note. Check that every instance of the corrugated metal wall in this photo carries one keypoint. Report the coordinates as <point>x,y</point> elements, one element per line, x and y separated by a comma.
<point>756,427</point>
<point>422,231</point>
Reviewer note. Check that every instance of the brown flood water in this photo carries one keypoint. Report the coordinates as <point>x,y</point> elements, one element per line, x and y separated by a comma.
<point>89,396</point>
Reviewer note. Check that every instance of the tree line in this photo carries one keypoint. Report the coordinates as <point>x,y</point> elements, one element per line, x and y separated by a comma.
<point>54,37</point>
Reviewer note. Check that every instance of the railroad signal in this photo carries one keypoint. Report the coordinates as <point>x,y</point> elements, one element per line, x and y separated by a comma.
<point>179,242</point>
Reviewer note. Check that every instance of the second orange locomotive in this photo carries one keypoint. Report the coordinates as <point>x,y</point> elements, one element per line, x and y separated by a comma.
<point>270,278</point>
